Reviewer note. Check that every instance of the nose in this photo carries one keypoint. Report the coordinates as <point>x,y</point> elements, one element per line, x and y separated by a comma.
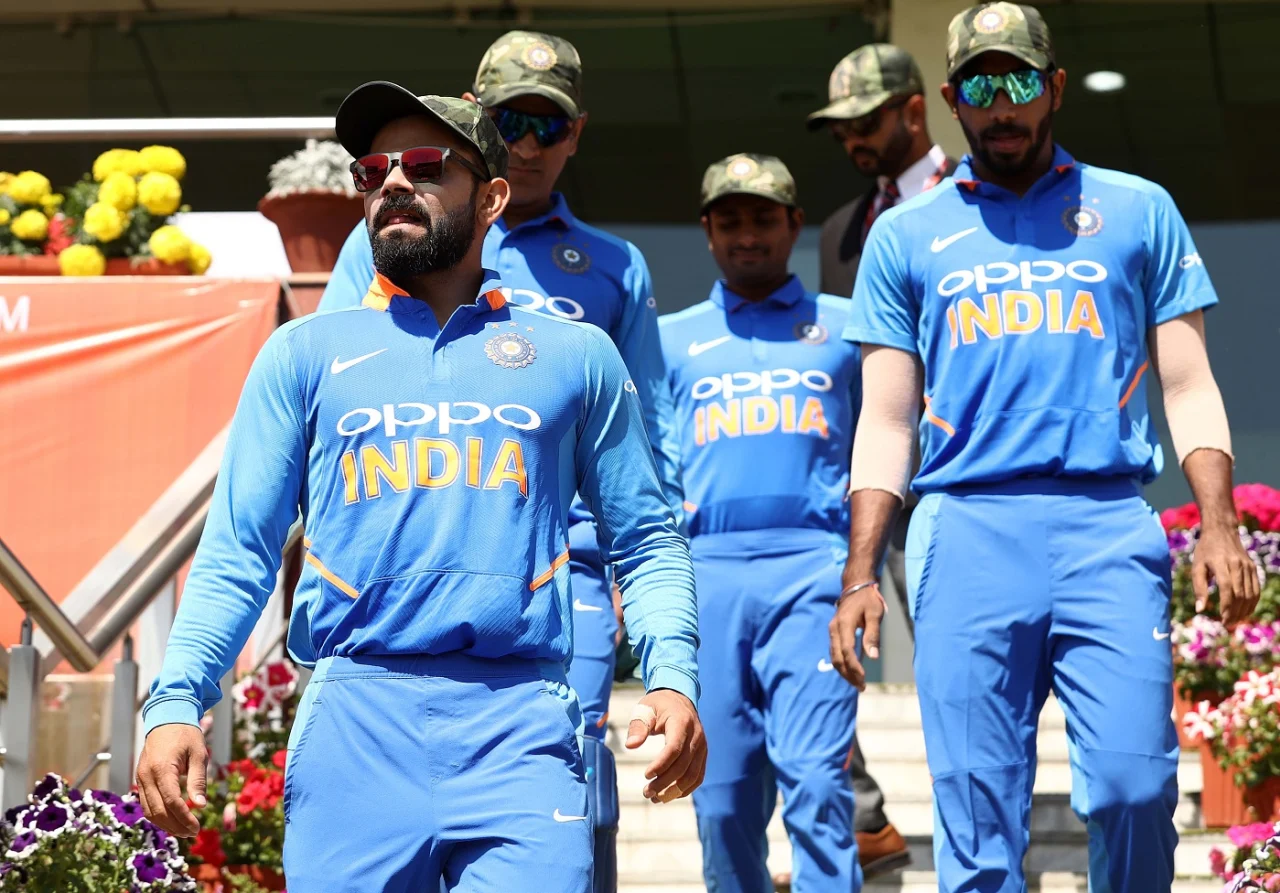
<point>1002,108</point>
<point>526,147</point>
<point>396,182</point>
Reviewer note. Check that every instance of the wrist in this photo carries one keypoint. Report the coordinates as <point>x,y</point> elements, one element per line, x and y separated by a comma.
<point>1224,522</point>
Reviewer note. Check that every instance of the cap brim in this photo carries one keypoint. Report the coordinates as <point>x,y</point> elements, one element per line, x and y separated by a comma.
<point>745,190</point>
<point>1036,59</point>
<point>372,106</point>
<point>507,92</point>
<point>848,108</point>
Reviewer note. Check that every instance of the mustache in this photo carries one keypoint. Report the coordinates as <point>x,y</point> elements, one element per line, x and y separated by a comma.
<point>995,131</point>
<point>401,204</point>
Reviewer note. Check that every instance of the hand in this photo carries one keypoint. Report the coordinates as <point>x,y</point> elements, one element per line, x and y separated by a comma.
<point>678,770</point>
<point>1221,556</point>
<point>862,610</point>
<point>171,752</point>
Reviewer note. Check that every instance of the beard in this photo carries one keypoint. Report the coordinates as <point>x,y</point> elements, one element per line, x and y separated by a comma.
<point>444,244</point>
<point>889,161</point>
<point>1005,165</point>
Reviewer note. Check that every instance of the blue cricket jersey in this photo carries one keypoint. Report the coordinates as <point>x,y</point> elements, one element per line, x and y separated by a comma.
<point>558,266</point>
<point>766,401</point>
<point>1030,315</point>
<point>434,469</point>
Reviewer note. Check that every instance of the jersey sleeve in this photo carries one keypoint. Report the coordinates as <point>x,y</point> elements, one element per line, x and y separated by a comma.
<point>352,274</point>
<point>255,501</point>
<point>638,342</point>
<point>1175,281</point>
<point>637,529</point>
<point>884,309</point>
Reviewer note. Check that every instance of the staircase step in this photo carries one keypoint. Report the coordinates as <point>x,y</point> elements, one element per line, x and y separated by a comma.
<point>927,882</point>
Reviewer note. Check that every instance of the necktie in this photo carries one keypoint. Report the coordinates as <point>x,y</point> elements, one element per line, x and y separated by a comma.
<point>885,199</point>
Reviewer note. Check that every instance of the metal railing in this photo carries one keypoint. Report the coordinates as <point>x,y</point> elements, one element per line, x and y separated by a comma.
<point>74,130</point>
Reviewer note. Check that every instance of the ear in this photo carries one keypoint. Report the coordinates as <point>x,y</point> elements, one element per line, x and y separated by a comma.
<point>949,97</point>
<point>914,113</point>
<point>706,228</point>
<point>471,97</point>
<point>1059,83</point>
<point>796,218</point>
<point>578,126</point>
<point>494,203</point>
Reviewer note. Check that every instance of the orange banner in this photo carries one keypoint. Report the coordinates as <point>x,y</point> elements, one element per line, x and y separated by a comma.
<point>109,389</point>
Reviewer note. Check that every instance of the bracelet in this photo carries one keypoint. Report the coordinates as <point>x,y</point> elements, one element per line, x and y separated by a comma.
<point>858,587</point>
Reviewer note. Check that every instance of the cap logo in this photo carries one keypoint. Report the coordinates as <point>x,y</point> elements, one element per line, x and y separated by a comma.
<point>741,169</point>
<point>993,21</point>
<point>539,56</point>
<point>511,351</point>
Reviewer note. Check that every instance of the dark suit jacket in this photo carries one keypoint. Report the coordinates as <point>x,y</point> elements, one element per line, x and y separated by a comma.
<point>840,245</point>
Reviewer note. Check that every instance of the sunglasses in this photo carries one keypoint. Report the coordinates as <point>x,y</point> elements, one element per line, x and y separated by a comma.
<point>546,129</point>
<point>423,164</point>
<point>1021,87</point>
<point>865,125</point>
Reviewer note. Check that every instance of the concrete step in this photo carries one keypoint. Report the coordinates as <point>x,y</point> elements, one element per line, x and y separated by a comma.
<point>927,882</point>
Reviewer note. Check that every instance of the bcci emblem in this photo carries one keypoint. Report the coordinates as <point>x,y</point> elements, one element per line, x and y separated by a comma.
<point>1082,221</point>
<point>741,168</point>
<point>539,56</point>
<point>810,332</point>
<point>570,259</point>
<point>993,21</point>
<point>511,351</point>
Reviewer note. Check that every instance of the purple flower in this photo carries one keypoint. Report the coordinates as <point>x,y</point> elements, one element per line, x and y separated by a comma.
<point>110,798</point>
<point>128,814</point>
<point>47,786</point>
<point>14,815</point>
<point>52,818</point>
<point>23,842</point>
<point>151,867</point>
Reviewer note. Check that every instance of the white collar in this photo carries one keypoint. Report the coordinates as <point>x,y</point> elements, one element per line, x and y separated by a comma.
<point>915,179</point>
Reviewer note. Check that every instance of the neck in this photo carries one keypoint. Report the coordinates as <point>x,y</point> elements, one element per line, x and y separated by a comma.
<point>518,214</point>
<point>444,291</point>
<point>1020,182</point>
<point>755,292</point>
<point>919,149</point>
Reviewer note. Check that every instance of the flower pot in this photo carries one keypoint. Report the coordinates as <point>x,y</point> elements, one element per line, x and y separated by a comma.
<point>29,265</point>
<point>313,225</point>
<point>264,877</point>
<point>209,877</point>
<point>1222,803</point>
<point>1263,800</point>
<point>125,266</point>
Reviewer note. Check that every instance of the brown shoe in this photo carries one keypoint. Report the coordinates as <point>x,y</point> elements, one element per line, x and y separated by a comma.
<point>882,851</point>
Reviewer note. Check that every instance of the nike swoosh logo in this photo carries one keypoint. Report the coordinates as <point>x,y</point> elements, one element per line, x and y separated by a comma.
<point>579,606</point>
<point>939,244</point>
<point>695,348</point>
<point>825,666</point>
<point>559,817</point>
<point>1157,635</point>
<point>341,366</point>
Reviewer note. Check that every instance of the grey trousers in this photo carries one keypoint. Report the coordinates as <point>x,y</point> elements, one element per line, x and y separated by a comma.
<point>868,799</point>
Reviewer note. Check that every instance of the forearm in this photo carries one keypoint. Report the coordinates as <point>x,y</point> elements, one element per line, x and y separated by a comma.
<point>873,513</point>
<point>1208,472</point>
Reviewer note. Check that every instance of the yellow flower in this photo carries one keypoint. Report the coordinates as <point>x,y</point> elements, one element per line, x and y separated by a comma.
<point>5,179</point>
<point>125,161</point>
<point>51,203</point>
<point>170,244</point>
<point>199,260</point>
<point>164,159</point>
<point>4,216</point>
<point>159,193</point>
<point>30,226</point>
<point>119,190</point>
<point>104,222</point>
<point>81,260</point>
<point>29,187</point>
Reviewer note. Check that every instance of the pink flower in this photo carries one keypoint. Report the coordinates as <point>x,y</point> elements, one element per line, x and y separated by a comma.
<point>229,817</point>
<point>1182,517</point>
<point>1218,863</point>
<point>1248,835</point>
<point>1260,501</point>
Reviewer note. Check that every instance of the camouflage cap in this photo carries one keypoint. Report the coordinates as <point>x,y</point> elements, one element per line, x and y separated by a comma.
<point>370,107</point>
<point>865,79</point>
<point>528,63</point>
<point>999,27</point>
<point>748,173</point>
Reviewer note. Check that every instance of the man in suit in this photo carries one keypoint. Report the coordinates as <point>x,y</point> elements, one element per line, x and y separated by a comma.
<point>876,113</point>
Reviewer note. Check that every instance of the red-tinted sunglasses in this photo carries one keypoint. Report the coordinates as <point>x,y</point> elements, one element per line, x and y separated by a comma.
<point>422,164</point>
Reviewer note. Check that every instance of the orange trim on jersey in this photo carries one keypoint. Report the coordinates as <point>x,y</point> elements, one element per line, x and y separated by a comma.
<point>1133,385</point>
<point>545,577</point>
<point>970,185</point>
<point>690,507</point>
<point>495,298</point>
<point>848,761</point>
<point>933,419</point>
<point>1063,168</point>
<point>604,719</point>
<point>381,291</point>
<point>347,588</point>
<point>306,542</point>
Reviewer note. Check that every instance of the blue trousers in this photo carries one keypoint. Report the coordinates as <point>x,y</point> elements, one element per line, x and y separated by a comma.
<point>594,628</point>
<point>413,774</point>
<point>776,715</point>
<point>1022,588</point>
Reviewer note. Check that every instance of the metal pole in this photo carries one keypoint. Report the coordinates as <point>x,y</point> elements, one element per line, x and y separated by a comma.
<point>34,600</point>
<point>69,130</point>
<point>21,714</point>
<point>124,693</point>
<point>223,731</point>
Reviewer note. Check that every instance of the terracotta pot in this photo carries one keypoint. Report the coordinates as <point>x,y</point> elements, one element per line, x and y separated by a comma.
<point>124,266</point>
<point>1264,800</point>
<point>1222,803</point>
<point>29,265</point>
<point>261,875</point>
<point>209,877</point>
<point>313,225</point>
<point>1184,704</point>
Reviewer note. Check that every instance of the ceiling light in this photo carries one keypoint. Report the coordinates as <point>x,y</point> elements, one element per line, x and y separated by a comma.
<point>1104,81</point>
